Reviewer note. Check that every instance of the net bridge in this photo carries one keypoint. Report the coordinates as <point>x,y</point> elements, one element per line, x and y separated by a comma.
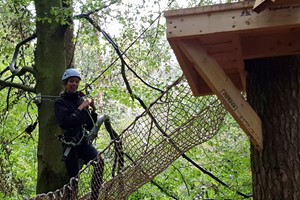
<point>173,124</point>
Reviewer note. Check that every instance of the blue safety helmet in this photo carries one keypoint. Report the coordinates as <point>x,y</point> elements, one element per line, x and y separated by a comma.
<point>71,72</point>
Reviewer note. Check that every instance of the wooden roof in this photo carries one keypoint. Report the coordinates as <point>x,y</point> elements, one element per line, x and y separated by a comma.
<point>211,44</point>
<point>231,33</point>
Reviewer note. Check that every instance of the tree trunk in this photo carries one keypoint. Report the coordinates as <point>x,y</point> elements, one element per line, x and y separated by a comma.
<point>50,64</point>
<point>273,90</point>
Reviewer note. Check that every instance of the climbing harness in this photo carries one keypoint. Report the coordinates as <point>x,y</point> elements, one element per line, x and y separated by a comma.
<point>90,135</point>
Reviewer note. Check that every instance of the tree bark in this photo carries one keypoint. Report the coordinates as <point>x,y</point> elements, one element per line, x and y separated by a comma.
<point>50,64</point>
<point>273,90</point>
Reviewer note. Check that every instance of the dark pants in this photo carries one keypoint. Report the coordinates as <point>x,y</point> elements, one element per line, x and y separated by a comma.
<point>86,152</point>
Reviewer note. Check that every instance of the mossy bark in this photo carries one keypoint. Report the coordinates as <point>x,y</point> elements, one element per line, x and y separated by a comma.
<point>273,90</point>
<point>50,64</point>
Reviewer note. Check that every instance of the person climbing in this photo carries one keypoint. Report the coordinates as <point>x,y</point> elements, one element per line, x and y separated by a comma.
<point>77,116</point>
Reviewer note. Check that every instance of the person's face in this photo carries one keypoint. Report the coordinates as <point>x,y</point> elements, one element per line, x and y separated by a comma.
<point>72,84</point>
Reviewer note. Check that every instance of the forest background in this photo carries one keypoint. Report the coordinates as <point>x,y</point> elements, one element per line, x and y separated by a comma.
<point>139,31</point>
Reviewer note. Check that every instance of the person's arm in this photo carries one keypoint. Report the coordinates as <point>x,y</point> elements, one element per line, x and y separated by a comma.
<point>66,118</point>
<point>84,105</point>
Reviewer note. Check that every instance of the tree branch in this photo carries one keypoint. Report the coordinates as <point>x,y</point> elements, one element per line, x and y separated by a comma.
<point>120,54</point>
<point>3,71</point>
<point>15,72</point>
<point>119,155</point>
<point>8,95</point>
<point>163,190</point>
<point>22,72</point>
<point>182,177</point>
<point>213,176</point>
<point>97,10</point>
<point>16,53</point>
<point>5,84</point>
<point>25,69</point>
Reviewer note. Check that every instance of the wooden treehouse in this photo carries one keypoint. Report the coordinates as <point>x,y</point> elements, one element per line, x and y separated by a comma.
<point>212,42</point>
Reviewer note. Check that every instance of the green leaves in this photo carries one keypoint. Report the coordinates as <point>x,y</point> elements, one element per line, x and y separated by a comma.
<point>59,15</point>
<point>62,15</point>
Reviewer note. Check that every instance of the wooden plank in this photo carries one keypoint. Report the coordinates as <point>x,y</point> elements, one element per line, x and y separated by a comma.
<point>270,45</point>
<point>237,20</point>
<point>222,86</point>
<point>227,51</point>
<point>240,61</point>
<point>193,78</point>
<point>209,9</point>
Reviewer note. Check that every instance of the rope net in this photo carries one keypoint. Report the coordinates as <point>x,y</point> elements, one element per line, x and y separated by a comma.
<point>173,124</point>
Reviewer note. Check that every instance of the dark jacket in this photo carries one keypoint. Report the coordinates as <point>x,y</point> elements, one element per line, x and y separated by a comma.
<point>70,118</point>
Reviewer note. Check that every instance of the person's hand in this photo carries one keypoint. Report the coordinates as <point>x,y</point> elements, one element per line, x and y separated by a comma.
<point>92,104</point>
<point>84,105</point>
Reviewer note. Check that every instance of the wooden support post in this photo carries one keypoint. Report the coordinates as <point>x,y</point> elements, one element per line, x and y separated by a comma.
<point>223,87</point>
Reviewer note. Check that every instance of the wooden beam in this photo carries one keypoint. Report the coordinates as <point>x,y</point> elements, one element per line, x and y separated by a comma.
<point>240,20</point>
<point>227,54</point>
<point>260,5</point>
<point>222,86</point>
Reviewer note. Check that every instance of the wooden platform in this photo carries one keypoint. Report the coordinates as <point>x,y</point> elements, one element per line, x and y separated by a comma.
<point>231,33</point>
<point>211,44</point>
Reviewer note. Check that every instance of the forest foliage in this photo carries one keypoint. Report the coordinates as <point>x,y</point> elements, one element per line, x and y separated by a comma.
<point>139,31</point>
